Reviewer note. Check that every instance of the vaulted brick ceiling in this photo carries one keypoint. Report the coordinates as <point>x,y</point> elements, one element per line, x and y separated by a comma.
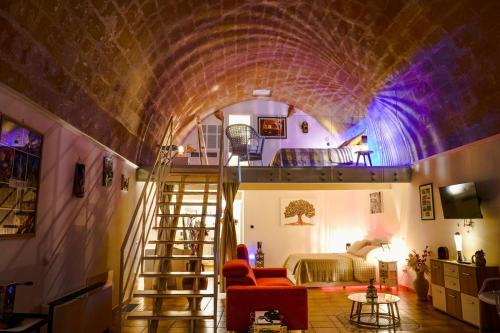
<point>118,69</point>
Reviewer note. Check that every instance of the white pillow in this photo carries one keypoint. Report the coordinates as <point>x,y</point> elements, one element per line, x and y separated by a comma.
<point>364,251</point>
<point>357,245</point>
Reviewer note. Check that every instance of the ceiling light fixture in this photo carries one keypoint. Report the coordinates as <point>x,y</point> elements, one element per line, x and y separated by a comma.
<point>261,93</point>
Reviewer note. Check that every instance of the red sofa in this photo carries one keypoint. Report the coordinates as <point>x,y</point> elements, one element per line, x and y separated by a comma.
<point>261,289</point>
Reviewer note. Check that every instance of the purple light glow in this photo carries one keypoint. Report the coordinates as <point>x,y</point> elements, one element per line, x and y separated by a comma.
<point>434,103</point>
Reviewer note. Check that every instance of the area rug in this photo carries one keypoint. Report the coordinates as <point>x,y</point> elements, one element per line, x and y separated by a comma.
<point>407,324</point>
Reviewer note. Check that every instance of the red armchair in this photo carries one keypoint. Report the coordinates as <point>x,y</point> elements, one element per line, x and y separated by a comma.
<point>261,289</point>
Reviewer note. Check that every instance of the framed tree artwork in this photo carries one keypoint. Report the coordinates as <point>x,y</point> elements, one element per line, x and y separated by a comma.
<point>272,127</point>
<point>298,212</point>
<point>426,202</point>
<point>20,160</point>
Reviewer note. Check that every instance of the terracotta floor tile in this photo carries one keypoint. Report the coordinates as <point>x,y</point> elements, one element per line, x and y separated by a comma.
<point>328,312</point>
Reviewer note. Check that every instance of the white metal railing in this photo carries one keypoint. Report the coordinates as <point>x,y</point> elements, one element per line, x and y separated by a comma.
<point>138,230</point>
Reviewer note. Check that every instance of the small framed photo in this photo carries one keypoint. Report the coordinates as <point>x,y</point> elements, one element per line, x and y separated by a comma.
<point>272,127</point>
<point>107,172</point>
<point>376,202</point>
<point>426,202</point>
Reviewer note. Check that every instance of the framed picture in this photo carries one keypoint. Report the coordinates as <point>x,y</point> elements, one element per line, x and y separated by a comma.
<point>426,202</point>
<point>298,212</point>
<point>20,161</point>
<point>124,183</point>
<point>272,127</point>
<point>376,202</point>
<point>107,172</point>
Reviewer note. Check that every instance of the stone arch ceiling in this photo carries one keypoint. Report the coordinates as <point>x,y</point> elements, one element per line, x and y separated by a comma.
<point>117,69</point>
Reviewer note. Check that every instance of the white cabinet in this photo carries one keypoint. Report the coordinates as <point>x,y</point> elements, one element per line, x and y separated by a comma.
<point>438,297</point>
<point>470,309</point>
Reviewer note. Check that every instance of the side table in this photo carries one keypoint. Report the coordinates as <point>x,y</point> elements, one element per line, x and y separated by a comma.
<point>388,274</point>
<point>364,153</point>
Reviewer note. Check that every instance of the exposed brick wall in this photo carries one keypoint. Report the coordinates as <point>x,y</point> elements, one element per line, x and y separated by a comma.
<point>118,69</point>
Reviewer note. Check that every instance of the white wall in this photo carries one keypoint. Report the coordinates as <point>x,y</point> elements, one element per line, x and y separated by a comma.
<point>477,162</point>
<point>317,137</point>
<point>76,238</point>
<point>343,216</point>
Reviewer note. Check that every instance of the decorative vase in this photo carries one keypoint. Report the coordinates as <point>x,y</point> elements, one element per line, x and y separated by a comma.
<point>371,291</point>
<point>259,256</point>
<point>421,286</point>
<point>479,258</point>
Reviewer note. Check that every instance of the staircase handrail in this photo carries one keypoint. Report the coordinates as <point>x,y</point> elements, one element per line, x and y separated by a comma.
<point>163,160</point>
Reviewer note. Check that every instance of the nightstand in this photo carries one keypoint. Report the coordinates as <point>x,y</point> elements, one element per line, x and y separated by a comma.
<point>388,273</point>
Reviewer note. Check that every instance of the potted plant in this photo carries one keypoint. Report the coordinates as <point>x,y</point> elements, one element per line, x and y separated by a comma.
<point>418,263</point>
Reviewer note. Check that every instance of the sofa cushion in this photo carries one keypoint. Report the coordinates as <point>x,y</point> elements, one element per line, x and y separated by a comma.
<point>236,268</point>
<point>238,273</point>
<point>274,281</point>
<point>242,252</point>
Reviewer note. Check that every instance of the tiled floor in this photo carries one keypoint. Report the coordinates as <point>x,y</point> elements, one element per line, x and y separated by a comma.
<point>327,314</point>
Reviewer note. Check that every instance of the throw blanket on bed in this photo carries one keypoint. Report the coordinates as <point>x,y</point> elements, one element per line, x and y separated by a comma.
<point>311,157</point>
<point>329,267</point>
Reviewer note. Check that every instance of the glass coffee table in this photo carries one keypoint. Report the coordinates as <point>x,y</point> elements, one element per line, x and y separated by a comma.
<point>375,318</point>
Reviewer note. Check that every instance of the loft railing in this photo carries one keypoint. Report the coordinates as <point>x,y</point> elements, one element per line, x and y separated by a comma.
<point>138,230</point>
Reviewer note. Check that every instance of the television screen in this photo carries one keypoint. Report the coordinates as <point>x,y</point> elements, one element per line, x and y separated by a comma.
<point>460,201</point>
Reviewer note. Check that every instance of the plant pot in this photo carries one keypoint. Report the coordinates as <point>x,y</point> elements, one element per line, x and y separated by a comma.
<point>421,286</point>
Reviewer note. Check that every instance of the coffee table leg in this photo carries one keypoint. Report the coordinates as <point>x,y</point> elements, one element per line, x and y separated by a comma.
<point>393,316</point>
<point>377,314</point>
<point>397,311</point>
<point>360,307</point>
<point>352,309</point>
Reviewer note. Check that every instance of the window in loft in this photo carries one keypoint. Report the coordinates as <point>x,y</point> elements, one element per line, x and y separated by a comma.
<point>212,136</point>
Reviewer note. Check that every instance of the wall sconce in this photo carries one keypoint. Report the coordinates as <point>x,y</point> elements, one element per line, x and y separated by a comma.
<point>458,245</point>
<point>305,127</point>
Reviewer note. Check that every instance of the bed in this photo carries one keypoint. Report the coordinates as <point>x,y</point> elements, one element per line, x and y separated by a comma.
<point>312,157</point>
<point>357,266</point>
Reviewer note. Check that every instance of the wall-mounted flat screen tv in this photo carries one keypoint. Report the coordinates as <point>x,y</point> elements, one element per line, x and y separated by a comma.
<point>460,201</point>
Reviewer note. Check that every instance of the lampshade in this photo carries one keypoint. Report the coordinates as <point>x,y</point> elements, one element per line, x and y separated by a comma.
<point>458,241</point>
<point>180,150</point>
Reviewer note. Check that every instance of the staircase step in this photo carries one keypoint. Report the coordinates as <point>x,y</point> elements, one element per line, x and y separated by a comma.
<point>186,215</point>
<point>183,228</point>
<point>191,182</point>
<point>189,192</point>
<point>178,257</point>
<point>165,315</point>
<point>180,242</point>
<point>188,203</point>
<point>201,170</point>
<point>175,274</point>
<point>173,293</point>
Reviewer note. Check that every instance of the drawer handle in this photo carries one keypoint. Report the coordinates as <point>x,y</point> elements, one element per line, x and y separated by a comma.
<point>466,274</point>
<point>452,296</point>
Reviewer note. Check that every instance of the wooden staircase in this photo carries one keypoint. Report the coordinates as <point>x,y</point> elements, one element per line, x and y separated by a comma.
<point>182,198</point>
<point>169,256</point>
